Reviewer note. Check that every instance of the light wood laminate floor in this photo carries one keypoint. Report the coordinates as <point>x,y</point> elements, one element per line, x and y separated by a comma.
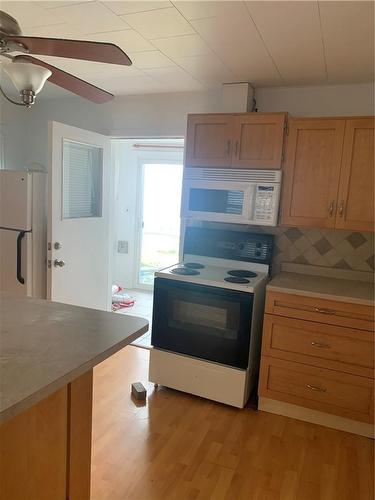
<point>181,447</point>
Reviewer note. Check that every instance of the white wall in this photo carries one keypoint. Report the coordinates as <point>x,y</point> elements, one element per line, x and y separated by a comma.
<point>330,100</point>
<point>161,115</point>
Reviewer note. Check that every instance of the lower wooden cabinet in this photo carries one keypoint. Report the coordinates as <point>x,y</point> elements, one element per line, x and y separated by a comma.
<point>45,451</point>
<point>325,390</point>
<point>319,344</point>
<point>318,356</point>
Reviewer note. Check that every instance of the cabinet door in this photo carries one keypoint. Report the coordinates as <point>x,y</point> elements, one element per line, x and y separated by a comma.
<point>356,188</point>
<point>311,172</point>
<point>258,140</point>
<point>208,140</point>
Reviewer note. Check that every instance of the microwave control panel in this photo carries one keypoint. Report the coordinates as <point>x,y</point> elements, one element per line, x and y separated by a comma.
<point>265,203</point>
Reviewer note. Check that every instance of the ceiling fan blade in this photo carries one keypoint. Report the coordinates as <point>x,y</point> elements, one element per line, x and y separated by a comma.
<point>70,82</point>
<point>73,49</point>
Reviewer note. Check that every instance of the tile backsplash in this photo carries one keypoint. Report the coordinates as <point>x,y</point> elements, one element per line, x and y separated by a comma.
<point>319,247</point>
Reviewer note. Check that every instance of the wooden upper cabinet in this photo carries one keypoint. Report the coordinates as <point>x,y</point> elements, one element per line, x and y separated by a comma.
<point>244,140</point>
<point>356,186</point>
<point>208,140</point>
<point>311,171</point>
<point>258,140</point>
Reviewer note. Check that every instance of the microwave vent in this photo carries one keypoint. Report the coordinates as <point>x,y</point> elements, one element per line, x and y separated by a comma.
<point>232,175</point>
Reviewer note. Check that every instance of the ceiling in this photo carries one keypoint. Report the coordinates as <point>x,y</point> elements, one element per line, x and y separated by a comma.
<point>188,46</point>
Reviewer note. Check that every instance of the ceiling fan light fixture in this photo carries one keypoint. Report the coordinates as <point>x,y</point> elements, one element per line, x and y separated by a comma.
<point>28,79</point>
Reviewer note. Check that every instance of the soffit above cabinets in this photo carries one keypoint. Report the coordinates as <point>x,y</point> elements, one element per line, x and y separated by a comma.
<point>180,45</point>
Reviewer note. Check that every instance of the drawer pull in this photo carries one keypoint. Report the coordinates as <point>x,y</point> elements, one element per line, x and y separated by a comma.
<point>320,344</point>
<point>315,388</point>
<point>324,311</point>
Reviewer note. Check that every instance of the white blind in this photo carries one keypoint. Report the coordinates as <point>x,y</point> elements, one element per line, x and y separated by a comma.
<point>82,180</point>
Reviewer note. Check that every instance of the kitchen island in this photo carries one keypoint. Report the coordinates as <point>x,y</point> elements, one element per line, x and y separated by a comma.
<point>48,351</point>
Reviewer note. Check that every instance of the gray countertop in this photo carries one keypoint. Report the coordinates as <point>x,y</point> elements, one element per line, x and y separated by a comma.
<point>45,345</point>
<point>347,290</point>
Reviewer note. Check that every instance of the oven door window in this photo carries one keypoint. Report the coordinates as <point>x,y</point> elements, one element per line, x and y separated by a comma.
<point>201,321</point>
<point>220,201</point>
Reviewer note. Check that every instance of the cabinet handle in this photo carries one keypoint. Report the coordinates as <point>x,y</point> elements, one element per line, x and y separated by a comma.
<point>341,209</point>
<point>236,150</point>
<point>315,388</point>
<point>323,311</point>
<point>331,208</point>
<point>320,344</point>
<point>228,147</point>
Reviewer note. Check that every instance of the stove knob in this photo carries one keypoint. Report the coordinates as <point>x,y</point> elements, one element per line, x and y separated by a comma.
<point>241,246</point>
<point>258,253</point>
<point>259,244</point>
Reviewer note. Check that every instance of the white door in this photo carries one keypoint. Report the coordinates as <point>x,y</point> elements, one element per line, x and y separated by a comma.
<point>79,217</point>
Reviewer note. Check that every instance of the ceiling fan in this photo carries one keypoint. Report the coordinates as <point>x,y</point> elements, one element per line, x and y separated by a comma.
<point>29,74</point>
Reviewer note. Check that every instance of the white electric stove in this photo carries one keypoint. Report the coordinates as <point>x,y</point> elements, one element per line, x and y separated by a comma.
<point>228,274</point>
<point>207,315</point>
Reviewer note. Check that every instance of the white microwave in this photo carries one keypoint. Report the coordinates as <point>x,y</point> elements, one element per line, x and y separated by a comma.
<point>231,195</point>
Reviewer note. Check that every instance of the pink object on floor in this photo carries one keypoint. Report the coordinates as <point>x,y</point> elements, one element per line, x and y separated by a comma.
<point>120,299</point>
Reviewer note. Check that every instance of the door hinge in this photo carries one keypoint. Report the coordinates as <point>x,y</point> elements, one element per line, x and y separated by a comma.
<point>286,127</point>
<point>49,263</point>
<point>49,246</point>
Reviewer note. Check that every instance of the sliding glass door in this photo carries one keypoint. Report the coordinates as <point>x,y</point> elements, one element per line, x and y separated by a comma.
<point>159,195</point>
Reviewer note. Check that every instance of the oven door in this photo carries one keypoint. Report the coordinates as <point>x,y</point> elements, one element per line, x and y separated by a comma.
<point>216,201</point>
<point>202,321</point>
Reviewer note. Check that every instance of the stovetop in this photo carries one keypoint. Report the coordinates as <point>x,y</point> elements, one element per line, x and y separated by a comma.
<point>233,275</point>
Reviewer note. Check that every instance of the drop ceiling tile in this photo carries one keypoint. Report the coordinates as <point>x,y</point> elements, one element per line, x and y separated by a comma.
<point>150,59</point>
<point>128,86</point>
<point>57,3</point>
<point>159,23</point>
<point>207,69</point>
<point>90,17</point>
<point>121,7</point>
<point>199,10</point>
<point>348,34</point>
<point>231,29</point>
<point>62,30</point>
<point>291,33</point>
<point>182,46</point>
<point>129,40</point>
<point>237,43</point>
<point>174,79</point>
<point>249,64</point>
<point>29,14</point>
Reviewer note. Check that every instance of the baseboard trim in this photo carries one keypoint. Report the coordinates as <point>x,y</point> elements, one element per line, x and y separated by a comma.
<point>316,417</point>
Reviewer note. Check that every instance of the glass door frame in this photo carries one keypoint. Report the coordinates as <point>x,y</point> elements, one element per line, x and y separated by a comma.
<point>148,158</point>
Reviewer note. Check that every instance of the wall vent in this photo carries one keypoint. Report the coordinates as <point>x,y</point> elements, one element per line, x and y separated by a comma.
<point>231,175</point>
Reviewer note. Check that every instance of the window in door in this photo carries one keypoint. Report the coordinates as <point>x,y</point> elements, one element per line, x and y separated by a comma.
<point>160,195</point>
<point>82,180</point>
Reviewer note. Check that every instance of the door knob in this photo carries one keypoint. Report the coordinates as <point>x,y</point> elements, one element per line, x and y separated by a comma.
<point>58,263</point>
<point>57,245</point>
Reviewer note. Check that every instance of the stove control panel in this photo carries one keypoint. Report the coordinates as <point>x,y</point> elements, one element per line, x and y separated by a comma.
<point>235,245</point>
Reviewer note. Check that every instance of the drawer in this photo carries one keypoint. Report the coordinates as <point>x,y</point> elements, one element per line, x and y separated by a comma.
<point>327,346</point>
<point>324,390</point>
<point>324,311</point>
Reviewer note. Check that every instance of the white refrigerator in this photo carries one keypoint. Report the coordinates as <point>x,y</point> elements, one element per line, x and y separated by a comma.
<point>23,233</point>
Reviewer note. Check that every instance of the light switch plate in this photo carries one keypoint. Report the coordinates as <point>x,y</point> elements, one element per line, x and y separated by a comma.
<point>122,246</point>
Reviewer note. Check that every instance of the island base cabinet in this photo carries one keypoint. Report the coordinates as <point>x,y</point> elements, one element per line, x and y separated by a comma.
<point>45,451</point>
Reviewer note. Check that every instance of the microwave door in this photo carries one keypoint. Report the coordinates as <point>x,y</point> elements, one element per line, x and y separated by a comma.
<point>215,201</point>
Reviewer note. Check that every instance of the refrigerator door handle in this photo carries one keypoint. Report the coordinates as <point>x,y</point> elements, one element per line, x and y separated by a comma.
<point>19,257</point>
